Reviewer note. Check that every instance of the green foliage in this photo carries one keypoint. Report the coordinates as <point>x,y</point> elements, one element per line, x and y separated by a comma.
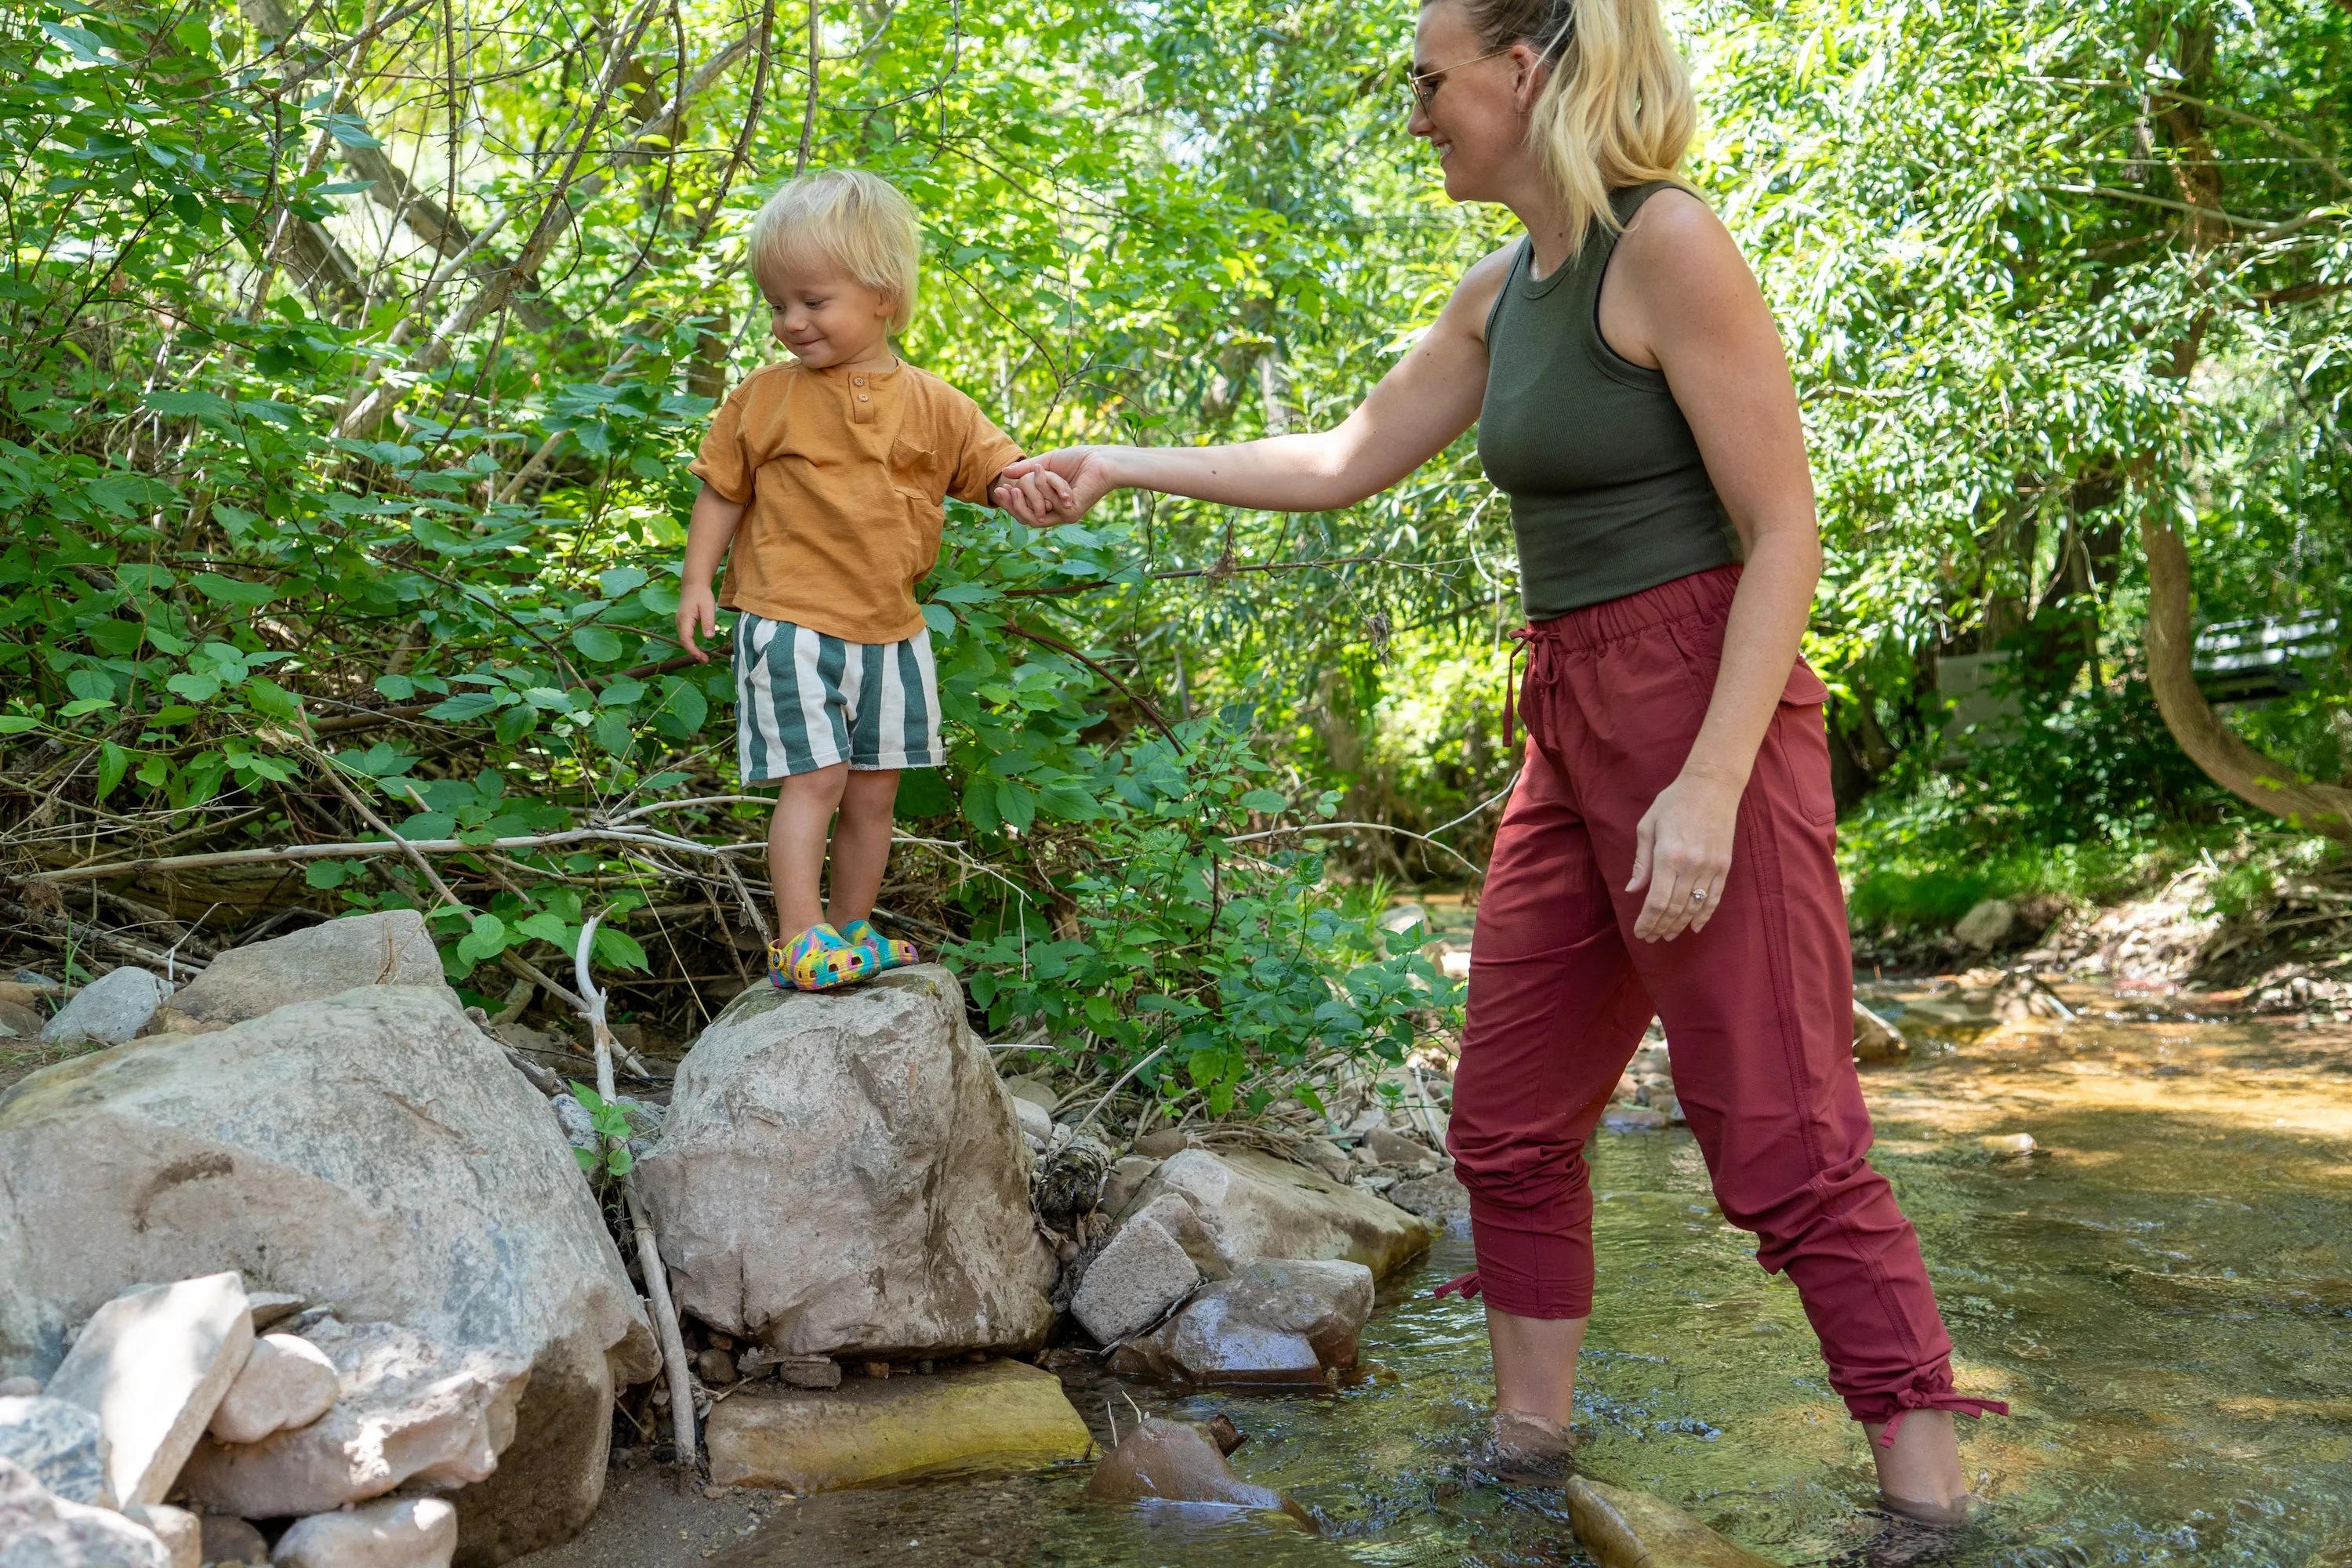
<point>614,1130</point>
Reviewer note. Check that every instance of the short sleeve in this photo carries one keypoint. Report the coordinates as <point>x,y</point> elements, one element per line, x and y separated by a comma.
<point>726,462</point>
<point>983,453</point>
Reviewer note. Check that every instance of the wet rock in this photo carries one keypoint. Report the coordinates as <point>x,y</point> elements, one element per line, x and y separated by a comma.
<point>231,1539</point>
<point>107,1011</point>
<point>1988,925</point>
<point>1253,1206</point>
<point>1634,1119</point>
<point>1958,1010</point>
<point>392,948</point>
<point>1003,1415</point>
<point>1179,1462</point>
<point>1440,1197</point>
<point>1627,1529</point>
<point>407,1532</point>
<point>408,1410</point>
<point>1272,1322</point>
<point>61,1445</point>
<point>1127,1177</point>
<point>287,1382</point>
<point>841,1173</point>
<point>179,1531</point>
<point>374,1150</point>
<point>152,1366</point>
<point>1409,1155</point>
<point>1875,1039</point>
<point>43,1530</point>
<point>1140,1272</point>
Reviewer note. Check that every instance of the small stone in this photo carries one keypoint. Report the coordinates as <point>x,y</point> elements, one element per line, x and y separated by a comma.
<point>1140,1273</point>
<point>20,1022</point>
<point>1035,1091</point>
<point>1120,1187</point>
<point>1626,1529</point>
<point>810,1372</point>
<point>1274,1321</point>
<point>715,1494</point>
<point>1875,1039</point>
<point>35,980</point>
<point>1988,925</point>
<point>17,994</point>
<point>153,1367</point>
<point>19,1387</point>
<point>228,1539</point>
<point>2009,1144</point>
<point>1176,1461</point>
<point>40,1529</point>
<point>1396,1149</point>
<point>878,1370</point>
<point>1438,1198</point>
<point>271,1308</point>
<point>391,947</point>
<point>59,1444</point>
<point>1035,1120</point>
<point>715,1367</point>
<point>1160,1145</point>
<point>287,1382</point>
<point>406,1532</point>
<point>1007,1415</point>
<point>1327,1157</point>
<point>107,1011</point>
<point>182,1534</point>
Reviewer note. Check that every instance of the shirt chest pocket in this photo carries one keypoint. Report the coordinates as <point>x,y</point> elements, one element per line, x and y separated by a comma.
<point>914,470</point>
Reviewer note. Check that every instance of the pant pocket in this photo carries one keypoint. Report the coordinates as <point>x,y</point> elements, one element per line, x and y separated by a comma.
<point>1800,736</point>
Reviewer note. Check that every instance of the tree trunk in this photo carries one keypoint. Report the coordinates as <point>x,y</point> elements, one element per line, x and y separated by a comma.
<point>2227,760</point>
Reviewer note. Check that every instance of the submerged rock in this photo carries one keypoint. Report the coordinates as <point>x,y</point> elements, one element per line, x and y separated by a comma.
<point>107,1011</point>
<point>1176,1461</point>
<point>1276,1321</point>
<point>840,1173</point>
<point>1253,1206</point>
<point>1003,1415</point>
<point>374,1150</point>
<point>43,1530</point>
<point>152,1365</point>
<point>1627,1529</point>
<point>392,948</point>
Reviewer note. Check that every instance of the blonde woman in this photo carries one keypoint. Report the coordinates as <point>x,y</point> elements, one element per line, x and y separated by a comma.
<point>1668,847</point>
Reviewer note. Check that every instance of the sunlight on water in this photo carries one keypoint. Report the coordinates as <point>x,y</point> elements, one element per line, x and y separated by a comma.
<point>2164,1293</point>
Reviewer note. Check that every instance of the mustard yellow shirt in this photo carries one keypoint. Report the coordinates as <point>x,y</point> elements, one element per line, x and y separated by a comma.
<point>845,472</point>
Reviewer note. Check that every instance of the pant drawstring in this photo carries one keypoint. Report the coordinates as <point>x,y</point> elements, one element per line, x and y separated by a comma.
<point>1467,1284</point>
<point>1909,1399</point>
<point>1522,641</point>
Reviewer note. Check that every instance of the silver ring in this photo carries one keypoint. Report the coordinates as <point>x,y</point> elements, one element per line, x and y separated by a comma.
<point>1699,895</point>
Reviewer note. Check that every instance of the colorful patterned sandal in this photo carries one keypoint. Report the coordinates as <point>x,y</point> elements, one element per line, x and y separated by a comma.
<point>819,959</point>
<point>893,953</point>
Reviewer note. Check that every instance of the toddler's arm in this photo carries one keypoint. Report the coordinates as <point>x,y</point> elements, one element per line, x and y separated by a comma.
<point>707,535</point>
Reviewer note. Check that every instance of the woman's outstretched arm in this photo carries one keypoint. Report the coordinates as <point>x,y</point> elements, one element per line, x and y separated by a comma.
<point>1431,396</point>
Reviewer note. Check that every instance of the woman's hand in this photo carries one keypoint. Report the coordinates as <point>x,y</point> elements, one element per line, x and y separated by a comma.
<point>1682,852</point>
<point>1056,487</point>
<point>697,610</point>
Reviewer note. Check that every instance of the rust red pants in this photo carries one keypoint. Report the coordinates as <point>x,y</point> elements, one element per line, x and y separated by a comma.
<point>1758,1007</point>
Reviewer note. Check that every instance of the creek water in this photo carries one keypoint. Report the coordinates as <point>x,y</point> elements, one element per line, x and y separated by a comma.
<point>2163,1291</point>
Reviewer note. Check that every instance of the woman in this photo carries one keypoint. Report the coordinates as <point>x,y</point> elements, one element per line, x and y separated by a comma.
<point>1668,846</point>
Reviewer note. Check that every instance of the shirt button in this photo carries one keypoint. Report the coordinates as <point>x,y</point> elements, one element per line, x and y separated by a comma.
<point>861,398</point>
<point>859,380</point>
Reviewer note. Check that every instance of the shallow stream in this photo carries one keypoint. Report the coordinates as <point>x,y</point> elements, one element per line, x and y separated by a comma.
<point>2163,1291</point>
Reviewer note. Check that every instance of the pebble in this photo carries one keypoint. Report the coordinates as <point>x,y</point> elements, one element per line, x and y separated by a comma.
<point>2012,1143</point>
<point>109,1010</point>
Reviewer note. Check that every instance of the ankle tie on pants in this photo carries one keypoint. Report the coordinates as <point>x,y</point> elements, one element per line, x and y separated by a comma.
<point>1467,1284</point>
<point>1919,1398</point>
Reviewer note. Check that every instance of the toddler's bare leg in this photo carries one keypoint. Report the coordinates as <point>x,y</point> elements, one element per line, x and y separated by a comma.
<point>805,807</point>
<point>861,842</point>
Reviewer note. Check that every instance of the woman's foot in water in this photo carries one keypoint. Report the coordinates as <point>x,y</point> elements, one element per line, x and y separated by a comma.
<point>1919,1478</point>
<point>1524,1449</point>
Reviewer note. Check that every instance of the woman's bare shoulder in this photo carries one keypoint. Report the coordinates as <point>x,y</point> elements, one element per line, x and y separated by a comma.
<point>1676,239</point>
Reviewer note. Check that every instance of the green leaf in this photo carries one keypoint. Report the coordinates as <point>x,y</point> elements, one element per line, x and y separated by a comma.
<point>17,723</point>
<point>90,685</point>
<point>618,947</point>
<point>465,705</point>
<point>486,939</point>
<point>597,643</point>
<point>113,761</point>
<point>233,590</point>
<point>1264,800</point>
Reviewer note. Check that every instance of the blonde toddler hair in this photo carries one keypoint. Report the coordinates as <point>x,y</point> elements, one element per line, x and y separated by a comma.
<point>858,222</point>
<point>1618,110</point>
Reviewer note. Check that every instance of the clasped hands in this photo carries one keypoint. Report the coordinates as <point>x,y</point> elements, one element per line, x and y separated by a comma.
<point>1055,487</point>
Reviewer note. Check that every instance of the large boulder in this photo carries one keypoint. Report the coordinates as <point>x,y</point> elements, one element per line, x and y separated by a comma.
<point>152,1365</point>
<point>841,1173</point>
<point>392,948</point>
<point>1253,1206</point>
<point>374,1150</point>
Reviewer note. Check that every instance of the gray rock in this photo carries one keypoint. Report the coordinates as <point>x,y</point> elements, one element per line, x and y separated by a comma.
<point>60,1444</point>
<point>1140,1273</point>
<point>287,1382</point>
<point>374,1150</point>
<point>19,1387</point>
<point>152,1365</point>
<point>1409,1155</point>
<point>1875,1039</point>
<point>1037,1121</point>
<point>20,1022</point>
<point>1126,1176</point>
<point>408,1410</point>
<point>1440,1197</point>
<point>179,1531</point>
<point>407,1532</point>
<point>110,1010</point>
<point>1273,1321</point>
<point>1988,925</point>
<point>41,1530</point>
<point>392,948</point>
<point>271,1308</point>
<point>1327,1157</point>
<point>1035,1091</point>
<point>1253,1206</point>
<point>841,1173</point>
<point>231,1539</point>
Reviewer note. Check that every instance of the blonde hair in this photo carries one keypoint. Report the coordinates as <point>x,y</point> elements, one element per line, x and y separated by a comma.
<point>857,221</point>
<point>1618,110</point>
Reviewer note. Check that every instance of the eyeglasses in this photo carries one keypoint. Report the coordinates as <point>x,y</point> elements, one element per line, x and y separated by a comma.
<point>1424,84</point>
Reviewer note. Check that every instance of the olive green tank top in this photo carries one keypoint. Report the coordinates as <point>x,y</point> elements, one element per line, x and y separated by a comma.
<point>1608,495</point>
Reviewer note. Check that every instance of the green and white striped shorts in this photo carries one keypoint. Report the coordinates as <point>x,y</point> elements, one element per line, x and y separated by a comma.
<point>805,700</point>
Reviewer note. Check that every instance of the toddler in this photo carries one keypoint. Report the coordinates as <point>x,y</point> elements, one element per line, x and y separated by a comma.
<point>827,475</point>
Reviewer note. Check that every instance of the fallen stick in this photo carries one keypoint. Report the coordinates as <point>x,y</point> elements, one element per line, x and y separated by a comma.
<point>673,1344</point>
<point>364,848</point>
